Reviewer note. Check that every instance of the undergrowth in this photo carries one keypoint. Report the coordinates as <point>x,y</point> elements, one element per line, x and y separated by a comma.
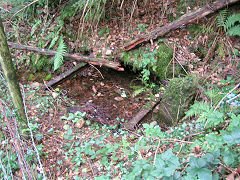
<point>230,23</point>
<point>205,145</point>
<point>204,148</point>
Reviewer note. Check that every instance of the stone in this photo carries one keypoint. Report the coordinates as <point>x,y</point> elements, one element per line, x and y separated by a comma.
<point>179,95</point>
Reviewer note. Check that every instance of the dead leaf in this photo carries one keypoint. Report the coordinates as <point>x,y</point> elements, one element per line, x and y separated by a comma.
<point>230,176</point>
<point>80,124</point>
<point>118,98</point>
<point>197,149</point>
<point>36,84</point>
<point>94,89</point>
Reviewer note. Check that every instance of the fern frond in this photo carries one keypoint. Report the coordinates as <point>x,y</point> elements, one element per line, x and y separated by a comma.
<point>230,22</point>
<point>61,50</point>
<point>198,108</point>
<point>53,42</point>
<point>222,18</point>
<point>35,26</point>
<point>234,31</point>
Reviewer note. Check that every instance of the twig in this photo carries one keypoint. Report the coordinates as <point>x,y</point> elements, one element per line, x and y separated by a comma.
<point>182,66</point>
<point>97,70</point>
<point>228,101</point>
<point>3,169</point>
<point>155,156</point>
<point>23,8</point>
<point>180,149</point>
<point>121,4</point>
<point>90,164</point>
<point>23,164</point>
<point>174,54</point>
<point>33,142</point>
<point>226,96</point>
<point>134,6</point>
<point>177,140</point>
<point>223,99</point>
<point>82,18</point>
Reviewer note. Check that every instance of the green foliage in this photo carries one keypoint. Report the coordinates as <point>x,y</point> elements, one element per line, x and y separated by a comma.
<point>48,77</point>
<point>233,25</point>
<point>75,118</point>
<point>91,10</point>
<point>206,113</point>
<point>230,24</point>
<point>61,50</point>
<point>156,62</point>
<point>222,17</point>
<point>202,167</point>
<point>142,28</point>
<point>39,63</point>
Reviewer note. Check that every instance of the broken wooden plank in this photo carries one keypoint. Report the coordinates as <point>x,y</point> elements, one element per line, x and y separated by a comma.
<point>211,51</point>
<point>64,76</point>
<point>184,20</point>
<point>91,60</point>
<point>142,113</point>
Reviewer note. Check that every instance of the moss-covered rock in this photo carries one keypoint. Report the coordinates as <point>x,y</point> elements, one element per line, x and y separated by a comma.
<point>177,98</point>
<point>157,62</point>
<point>164,56</point>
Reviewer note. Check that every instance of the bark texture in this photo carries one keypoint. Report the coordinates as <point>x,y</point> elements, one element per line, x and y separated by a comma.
<point>91,60</point>
<point>10,74</point>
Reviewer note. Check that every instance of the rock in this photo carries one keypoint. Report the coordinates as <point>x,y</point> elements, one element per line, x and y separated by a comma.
<point>176,100</point>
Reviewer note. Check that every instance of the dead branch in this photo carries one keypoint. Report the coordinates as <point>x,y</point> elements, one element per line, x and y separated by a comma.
<point>141,114</point>
<point>64,76</point>
<point>90,60</point>
<point>184,20</point>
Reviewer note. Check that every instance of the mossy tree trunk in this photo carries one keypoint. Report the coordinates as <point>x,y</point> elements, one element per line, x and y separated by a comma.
<point>10,75</point>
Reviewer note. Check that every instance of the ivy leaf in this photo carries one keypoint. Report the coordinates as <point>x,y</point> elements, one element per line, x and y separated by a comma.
<point>229,157</point>
<point>138,166</point>
<point>232,137</point>
<point>176,176</point>
<point>235,122</point>
<point>212,158</point>
<point>204,174</point>
<point>215,141</point>
<point>166,164</point>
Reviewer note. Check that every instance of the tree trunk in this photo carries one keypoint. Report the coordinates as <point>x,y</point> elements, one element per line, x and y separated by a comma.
<point>10,74</point>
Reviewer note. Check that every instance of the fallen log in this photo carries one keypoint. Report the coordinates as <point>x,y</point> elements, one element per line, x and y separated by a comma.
<point>142,113</point>
<point>64,76</point>
<point>91,60</point>
<point>184,20</point>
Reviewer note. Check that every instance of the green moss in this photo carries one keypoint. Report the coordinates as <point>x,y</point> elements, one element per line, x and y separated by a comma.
<point>177,98</point>
<point>157,62</point>
<point>164,56</point>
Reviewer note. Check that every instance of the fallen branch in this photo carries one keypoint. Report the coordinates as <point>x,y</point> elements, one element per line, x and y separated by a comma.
<point>90,60</point>
<point>141,114</point>
<point>184,20</point>
<point>64,76</point>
